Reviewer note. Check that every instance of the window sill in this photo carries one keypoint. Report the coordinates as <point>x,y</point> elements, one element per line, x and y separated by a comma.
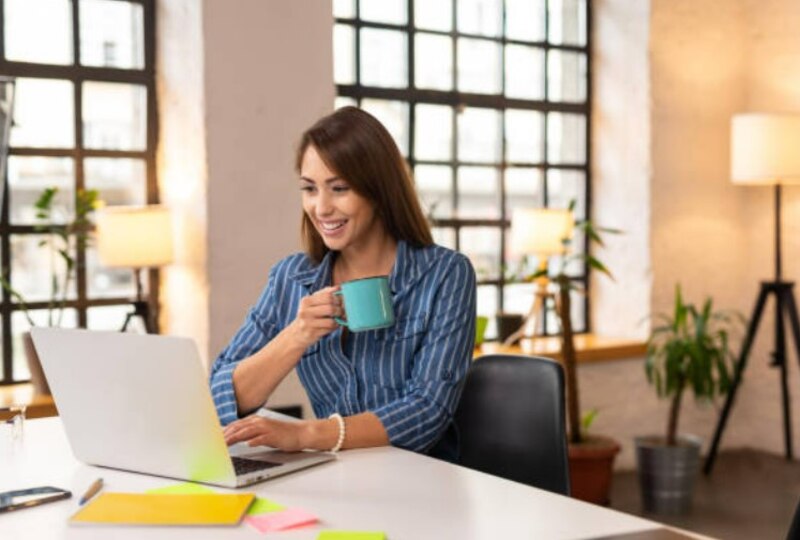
<point>589,348</point>
<point>22,394</point>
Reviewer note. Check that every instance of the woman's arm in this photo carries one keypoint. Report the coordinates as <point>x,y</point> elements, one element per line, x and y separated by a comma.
<point>361,431</point>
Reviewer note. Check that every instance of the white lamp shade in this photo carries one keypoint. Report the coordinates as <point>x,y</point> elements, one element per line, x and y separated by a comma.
<point>134,237</point>
<point>540,231</point>
<point>765,149</point>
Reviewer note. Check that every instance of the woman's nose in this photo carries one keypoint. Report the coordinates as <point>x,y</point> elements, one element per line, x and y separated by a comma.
<point>324,204</point>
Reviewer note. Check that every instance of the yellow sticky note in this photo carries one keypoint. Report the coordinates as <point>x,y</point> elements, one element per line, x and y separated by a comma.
<point>351,535</point>
<point>161,509</point>
<point>264,506</point>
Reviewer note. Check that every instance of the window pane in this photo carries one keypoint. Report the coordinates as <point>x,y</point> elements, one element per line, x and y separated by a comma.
<point>478,66</point>
<point>524,141</point>
<point>20,325</point>
<point>344,54</point>
<point>434,14</point>
<point>482,246</point>
<point>345,9</point>
<point>479,193</point>
<point>563,186</point>
<point>30,267</point>
<point>479,135</point>
<point>444,236</point>
<point>114,116</point>
<point>524,75</point>
<point>525,20</point>
<point>28,177</point>
<point>32,36</point>
<point>523,189</point>
<point>518,298</point>
<point>342,101</point>
<point>482,17</point>
<point>44,114</point>
<point>385,11</point>
<point>566,138</point>
<point>434,185</point>
<point>104,282</point>
<point>384,59</point>
<point>119,181</point>
<point>112,34</point>
<point>487,307</point>
<point>567,22</point>
<point>433,132</point>
<point>433,62</point>
<point>394,116</point>
<point>566,76</point>
<point>111,318</point>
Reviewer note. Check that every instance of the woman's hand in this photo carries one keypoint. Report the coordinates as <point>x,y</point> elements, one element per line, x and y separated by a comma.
<point>258,431</point>
<point>315,315</point>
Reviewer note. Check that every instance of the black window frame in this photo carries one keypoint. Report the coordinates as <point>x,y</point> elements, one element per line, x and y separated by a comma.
<point>77,74</point>
<point>458,100</point>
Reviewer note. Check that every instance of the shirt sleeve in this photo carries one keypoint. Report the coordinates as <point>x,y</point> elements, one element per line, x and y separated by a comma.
<point>418,419</point>
<point>259,328</point>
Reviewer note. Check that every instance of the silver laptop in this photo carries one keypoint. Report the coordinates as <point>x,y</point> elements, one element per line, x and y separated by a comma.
<point>142,403</point>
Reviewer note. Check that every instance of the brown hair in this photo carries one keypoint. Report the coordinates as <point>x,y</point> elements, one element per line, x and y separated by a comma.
<point>356,146</point>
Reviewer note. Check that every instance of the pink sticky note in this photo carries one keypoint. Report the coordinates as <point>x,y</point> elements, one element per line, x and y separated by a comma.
<point>279,521</point>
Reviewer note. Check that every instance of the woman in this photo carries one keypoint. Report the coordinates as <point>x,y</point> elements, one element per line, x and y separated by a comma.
<point>398,385</point>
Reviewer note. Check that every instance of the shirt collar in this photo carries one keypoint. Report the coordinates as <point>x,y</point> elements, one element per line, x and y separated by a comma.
<point>405,271</point>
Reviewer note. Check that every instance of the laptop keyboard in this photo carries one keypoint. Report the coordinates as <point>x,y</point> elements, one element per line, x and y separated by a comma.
<point>244,466</point>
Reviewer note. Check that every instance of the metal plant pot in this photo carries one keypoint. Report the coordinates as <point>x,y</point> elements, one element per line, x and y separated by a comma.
<point>667,473</point>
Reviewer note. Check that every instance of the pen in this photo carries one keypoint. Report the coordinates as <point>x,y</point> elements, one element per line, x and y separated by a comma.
<point>92,491</point>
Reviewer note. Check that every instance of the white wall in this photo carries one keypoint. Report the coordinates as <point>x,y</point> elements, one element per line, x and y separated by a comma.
<point>257,74</point>
<point>706,61</point>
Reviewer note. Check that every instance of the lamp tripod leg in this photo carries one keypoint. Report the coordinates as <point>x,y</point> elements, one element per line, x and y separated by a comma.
<point>755,319</point>
<point>536,308</point>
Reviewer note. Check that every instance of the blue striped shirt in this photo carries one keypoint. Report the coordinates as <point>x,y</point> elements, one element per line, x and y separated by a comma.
<point>409,375</point>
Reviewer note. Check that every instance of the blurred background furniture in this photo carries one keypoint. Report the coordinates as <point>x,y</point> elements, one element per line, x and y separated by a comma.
<point>765,150</point>
<point>136,237</point>
<point>511,421</point>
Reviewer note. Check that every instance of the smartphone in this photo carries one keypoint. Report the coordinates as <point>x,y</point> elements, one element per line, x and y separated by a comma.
<point>26,498</point>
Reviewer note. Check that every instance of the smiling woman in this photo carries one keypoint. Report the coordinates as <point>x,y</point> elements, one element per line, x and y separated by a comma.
<point>394,385</point>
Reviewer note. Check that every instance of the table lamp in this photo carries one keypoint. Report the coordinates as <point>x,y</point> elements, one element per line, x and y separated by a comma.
<point>765,151</point>
<point>136,237</point>
<point>539,232</point>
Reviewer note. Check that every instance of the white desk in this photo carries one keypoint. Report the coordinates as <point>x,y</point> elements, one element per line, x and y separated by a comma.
<point>408,496</point>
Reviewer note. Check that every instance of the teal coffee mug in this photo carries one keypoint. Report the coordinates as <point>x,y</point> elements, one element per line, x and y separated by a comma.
<point>367,304</point>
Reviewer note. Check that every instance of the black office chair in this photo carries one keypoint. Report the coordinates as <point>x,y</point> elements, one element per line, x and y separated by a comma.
<point>794,528</point>
<point>511,421</point>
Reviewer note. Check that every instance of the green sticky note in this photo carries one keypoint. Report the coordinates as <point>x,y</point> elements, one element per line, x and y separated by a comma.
<point>186,488</point>
<point>351,535</point>
<point>264,506</point>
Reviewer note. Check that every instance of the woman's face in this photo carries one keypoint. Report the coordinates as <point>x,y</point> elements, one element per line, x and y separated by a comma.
<point>343,218</point>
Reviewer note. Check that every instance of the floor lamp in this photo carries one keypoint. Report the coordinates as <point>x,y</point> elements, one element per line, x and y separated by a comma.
<point>539,232</point>
<point>765,150</point>
<point>136,237</point>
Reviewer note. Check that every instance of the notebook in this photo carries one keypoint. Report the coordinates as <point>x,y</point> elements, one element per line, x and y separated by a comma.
<point>141,403</point>
<point>150,509</point>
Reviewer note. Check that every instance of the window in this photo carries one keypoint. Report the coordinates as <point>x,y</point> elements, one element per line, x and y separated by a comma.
<point>489,102</point>
<point>84,118</point>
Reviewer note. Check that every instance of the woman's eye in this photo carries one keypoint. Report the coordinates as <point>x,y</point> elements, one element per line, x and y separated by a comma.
<point>307,188</point>
<point>340,189</point>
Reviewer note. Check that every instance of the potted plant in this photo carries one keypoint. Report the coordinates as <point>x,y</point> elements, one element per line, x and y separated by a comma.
<point>591,457</point>
<point>691,350</point>
<point>62,241</point>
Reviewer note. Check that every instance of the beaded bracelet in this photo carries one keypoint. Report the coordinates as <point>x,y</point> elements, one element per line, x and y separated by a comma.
<point>342,431</point>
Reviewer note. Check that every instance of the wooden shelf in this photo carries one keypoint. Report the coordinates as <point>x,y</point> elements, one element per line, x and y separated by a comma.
<point>22,394</point>
<point>589,348</point>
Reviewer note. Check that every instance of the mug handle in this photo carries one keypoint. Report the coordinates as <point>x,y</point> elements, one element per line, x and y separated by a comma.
<point>341,322</point>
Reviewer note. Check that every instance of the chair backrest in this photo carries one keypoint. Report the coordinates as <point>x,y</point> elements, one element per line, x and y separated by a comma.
<point>511,421</point>
<point>794,527</point>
